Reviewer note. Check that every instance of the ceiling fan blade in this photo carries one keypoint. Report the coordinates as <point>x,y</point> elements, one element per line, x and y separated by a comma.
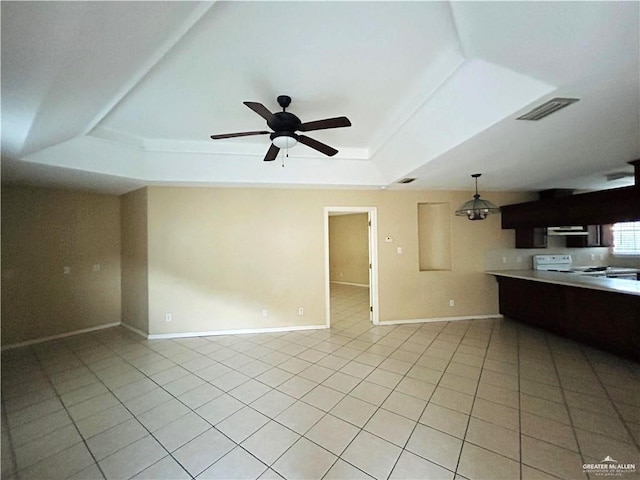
<point>272,153</point>
<point>239,134</point>
<point>260,110</point>
<point>316,145</point>
<point>336,122</point>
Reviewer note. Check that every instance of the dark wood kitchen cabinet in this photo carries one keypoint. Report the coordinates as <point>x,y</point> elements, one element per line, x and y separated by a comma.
<point>594,208</point>
<point>603,319</point>
<point>597,236</point>
<point>557,207</point>
<point>534,303</point>
<point>531,238</point>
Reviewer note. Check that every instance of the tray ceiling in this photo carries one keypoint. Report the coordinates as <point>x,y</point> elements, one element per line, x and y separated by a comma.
<point>111,96</point>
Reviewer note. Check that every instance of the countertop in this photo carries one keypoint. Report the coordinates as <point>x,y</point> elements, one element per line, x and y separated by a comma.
<point>616,285</point>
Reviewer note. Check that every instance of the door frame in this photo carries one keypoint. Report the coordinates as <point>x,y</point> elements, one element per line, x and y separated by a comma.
<point>372,213</point>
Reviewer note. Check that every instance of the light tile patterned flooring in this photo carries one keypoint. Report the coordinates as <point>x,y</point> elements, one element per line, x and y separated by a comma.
<point>485,399</point>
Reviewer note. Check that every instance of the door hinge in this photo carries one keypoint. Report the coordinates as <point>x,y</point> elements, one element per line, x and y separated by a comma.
<point>371,309</point>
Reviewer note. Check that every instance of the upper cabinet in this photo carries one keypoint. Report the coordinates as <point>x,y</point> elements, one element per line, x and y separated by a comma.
<point>597,236</point>
<point>531,238</point>
<point>594,208</point>
<point>599,210</point>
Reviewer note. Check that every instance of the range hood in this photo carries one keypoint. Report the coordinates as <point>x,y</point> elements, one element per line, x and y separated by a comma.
<point>567,230</point>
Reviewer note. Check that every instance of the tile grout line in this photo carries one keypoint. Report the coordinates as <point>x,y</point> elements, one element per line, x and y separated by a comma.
<point>564,398</point>
<point>128,410</point>
<point>349,333</point>
<point>466,430</point>
<point>378,407</point>
<point>236,444</point>
<point>14,458</point>
<point>191,410</point>
<point>634,441</point>
<point>226,392</point>
<point>518,340</point>
<point>392,390</point>
<point>75,426</point>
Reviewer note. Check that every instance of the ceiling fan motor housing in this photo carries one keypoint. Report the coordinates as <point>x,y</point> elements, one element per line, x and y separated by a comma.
<point>284,122</point>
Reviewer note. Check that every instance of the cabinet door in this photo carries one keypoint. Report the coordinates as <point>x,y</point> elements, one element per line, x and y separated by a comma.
<point>597,236</point>
<point>536,303</point>
<point>606,320</point>
<point>531,238</point>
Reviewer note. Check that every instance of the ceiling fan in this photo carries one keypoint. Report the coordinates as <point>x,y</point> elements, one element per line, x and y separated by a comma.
<point>284,125</point>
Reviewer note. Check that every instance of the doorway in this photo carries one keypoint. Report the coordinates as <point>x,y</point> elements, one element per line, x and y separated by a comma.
<point>351,274</point>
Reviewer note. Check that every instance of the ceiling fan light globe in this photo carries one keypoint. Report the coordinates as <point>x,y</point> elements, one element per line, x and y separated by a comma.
<point>284,141</point>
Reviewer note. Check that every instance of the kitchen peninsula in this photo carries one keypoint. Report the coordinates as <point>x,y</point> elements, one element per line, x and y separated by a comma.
<point>601,312</point>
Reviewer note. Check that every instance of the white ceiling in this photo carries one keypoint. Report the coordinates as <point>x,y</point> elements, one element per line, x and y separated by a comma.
<point>111,96</point>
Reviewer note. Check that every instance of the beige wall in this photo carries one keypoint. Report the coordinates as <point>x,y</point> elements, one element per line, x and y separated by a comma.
<point>349,248</point>
<point>134,254</point>
<point>218,257</point>
<point>44,231</point>
<point>406,292</point>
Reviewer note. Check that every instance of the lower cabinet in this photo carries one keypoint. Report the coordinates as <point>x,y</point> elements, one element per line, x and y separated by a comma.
<point>606,320</point>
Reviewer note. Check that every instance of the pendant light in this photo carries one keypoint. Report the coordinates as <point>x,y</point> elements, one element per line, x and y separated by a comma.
<point>477,209</point>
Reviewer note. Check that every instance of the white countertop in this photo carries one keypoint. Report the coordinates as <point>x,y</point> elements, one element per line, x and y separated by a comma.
<point>616,285</point>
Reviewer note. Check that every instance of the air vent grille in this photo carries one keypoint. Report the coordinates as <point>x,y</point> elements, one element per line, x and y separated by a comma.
<point>611,177</point>
<point>407,180</point>
<point>547,108</point>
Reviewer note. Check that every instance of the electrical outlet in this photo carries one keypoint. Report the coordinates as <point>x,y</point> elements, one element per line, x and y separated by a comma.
<point>399,250</point>
<point>265,313</point>
<point>168,317</point>
<point>301,311</point>
<point>452,303</point>
<point>504,259</point>
<point>66,270</point>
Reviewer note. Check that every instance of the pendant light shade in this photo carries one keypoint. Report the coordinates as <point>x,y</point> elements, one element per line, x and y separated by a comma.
<point>477,208</point>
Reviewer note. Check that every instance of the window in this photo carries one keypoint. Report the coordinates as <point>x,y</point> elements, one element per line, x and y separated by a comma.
<point>626,238</point>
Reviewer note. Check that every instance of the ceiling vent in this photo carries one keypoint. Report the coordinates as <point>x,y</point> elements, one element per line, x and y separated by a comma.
<point>547,108</point>
<point>612,177</point>
<point>407,180</point>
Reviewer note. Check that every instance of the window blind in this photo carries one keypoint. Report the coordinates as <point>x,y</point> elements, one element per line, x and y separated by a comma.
<point>626,238</point>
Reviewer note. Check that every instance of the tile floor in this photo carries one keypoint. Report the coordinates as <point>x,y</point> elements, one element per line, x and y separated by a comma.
<point>485,399</point>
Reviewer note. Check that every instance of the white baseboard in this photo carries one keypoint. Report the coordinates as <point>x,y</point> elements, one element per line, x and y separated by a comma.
<point>158,336</point>
<point>134,330</point>
<point>365,285</point>
<point>57,337</point>
<point>440,319</point>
